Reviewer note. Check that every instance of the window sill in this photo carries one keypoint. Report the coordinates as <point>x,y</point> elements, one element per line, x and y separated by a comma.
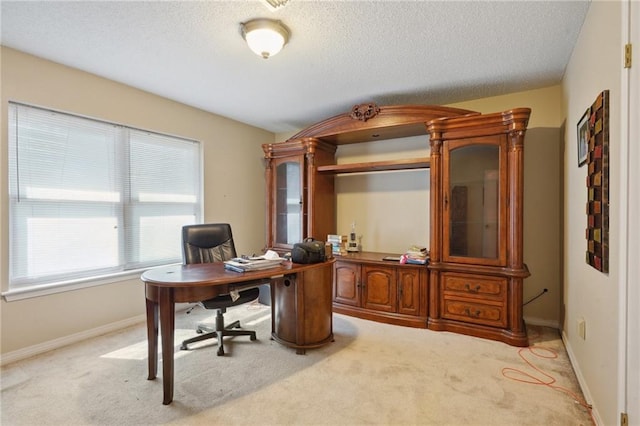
<point>63,286</point>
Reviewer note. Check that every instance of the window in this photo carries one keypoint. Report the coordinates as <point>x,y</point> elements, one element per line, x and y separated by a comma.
<point>90,198</point>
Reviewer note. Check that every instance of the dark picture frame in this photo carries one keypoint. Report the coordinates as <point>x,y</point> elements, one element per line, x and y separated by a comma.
<point>583,138</point>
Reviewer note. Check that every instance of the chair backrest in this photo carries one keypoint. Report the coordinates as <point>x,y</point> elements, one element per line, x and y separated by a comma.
<point>209,242</point>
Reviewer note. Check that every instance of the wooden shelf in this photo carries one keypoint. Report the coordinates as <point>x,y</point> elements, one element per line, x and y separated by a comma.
<point>376,166</point>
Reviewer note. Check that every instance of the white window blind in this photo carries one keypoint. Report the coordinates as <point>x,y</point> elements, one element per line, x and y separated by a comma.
<point>90,198</point>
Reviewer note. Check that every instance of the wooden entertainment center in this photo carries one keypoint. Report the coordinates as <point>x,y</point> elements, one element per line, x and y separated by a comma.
<point>473,283</point>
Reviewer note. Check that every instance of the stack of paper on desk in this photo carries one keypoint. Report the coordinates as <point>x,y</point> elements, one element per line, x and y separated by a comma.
<point>417,255</point>
<point>241,264</point>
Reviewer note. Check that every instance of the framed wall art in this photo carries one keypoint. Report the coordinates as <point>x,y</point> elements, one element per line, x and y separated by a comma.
<point>597,143</point>
<point>583,137</point>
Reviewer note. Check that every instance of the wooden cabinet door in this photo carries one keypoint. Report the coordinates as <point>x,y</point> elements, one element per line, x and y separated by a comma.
<point>288,202</point>
<point>475,201</point>
<point>380,289</point>
<point>346,283</point>
<point>408,291</point>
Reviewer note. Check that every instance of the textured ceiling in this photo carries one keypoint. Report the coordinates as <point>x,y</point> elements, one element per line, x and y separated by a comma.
<point>341,53</point>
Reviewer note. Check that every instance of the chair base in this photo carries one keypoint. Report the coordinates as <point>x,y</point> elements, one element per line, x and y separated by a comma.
<point>218,333</point>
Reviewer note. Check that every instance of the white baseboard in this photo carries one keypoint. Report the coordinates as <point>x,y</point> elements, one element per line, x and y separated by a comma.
<point>40,348</point>
<point>542,322</point>
<point>581,381</point>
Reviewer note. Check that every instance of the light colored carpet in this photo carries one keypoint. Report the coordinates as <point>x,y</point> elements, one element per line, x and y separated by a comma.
<point>372,374</point>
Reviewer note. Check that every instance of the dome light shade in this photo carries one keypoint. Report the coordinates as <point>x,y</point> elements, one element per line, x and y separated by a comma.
<point>266,37</point>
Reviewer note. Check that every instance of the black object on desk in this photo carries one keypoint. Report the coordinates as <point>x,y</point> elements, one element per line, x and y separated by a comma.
<point>392,258</point>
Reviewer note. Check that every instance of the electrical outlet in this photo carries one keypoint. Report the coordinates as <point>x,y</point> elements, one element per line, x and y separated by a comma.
<point>582,328</point>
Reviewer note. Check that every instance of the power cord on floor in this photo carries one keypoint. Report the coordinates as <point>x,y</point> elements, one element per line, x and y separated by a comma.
<point>535,297</point>
<point>546,380</point>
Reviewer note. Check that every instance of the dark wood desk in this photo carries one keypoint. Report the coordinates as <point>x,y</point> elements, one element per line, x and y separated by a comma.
<point>301,298</point>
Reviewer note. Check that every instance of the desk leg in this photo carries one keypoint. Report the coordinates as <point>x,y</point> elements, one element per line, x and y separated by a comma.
<point>167,329</point>
<point>272,290</point>
<point>152,338</point>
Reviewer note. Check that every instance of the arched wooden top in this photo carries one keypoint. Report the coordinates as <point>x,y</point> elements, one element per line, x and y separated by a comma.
<point>514,120</point>
<point>368,122</point>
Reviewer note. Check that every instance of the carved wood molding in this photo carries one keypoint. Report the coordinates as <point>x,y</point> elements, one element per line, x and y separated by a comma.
<point>390,122</point>
<point>513,123</point>
<point>363,112</point>
<point>516,140</point>
<point>436,145</point>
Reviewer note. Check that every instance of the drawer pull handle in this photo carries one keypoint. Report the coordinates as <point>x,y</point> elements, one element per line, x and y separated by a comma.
<point>475,314</point>
<point>476,289</point>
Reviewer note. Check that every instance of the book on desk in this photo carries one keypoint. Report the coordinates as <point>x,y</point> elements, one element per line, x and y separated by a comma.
<point>245,264</point>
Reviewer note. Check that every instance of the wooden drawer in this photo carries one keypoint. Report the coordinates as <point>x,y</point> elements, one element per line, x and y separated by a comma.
<point>475,286</point>
<point>477,313</point>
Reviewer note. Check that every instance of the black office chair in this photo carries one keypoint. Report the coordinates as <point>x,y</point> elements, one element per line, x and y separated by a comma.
<point>214,243</point>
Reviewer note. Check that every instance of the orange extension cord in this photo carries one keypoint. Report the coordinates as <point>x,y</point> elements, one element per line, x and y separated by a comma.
<point>546,380</point>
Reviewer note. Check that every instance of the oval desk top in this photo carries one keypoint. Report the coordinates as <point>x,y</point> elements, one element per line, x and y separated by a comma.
<point>212,273</point>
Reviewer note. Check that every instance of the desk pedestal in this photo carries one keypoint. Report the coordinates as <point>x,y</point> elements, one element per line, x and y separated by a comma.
<point>302,308</point>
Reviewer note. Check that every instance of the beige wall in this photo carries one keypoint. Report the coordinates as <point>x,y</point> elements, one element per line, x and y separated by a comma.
<point>232,154</point>
<point>545,104</point>
<point>390,209</point>
<point>596,65</point>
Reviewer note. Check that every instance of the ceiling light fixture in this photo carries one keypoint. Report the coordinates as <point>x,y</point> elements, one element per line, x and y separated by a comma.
<point>266,37</point>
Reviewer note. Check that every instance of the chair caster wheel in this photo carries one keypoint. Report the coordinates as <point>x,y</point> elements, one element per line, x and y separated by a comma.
<point>199,331</point>
<point>253,338</point>
<point>184,348</point>
<point>220,352</point>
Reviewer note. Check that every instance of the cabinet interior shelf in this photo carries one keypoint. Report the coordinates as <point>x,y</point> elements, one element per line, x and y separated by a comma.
<point>376,166</point>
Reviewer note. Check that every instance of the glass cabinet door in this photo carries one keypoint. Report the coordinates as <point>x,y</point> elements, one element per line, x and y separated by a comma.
<point>474,197</point>
<point>288,202</point>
